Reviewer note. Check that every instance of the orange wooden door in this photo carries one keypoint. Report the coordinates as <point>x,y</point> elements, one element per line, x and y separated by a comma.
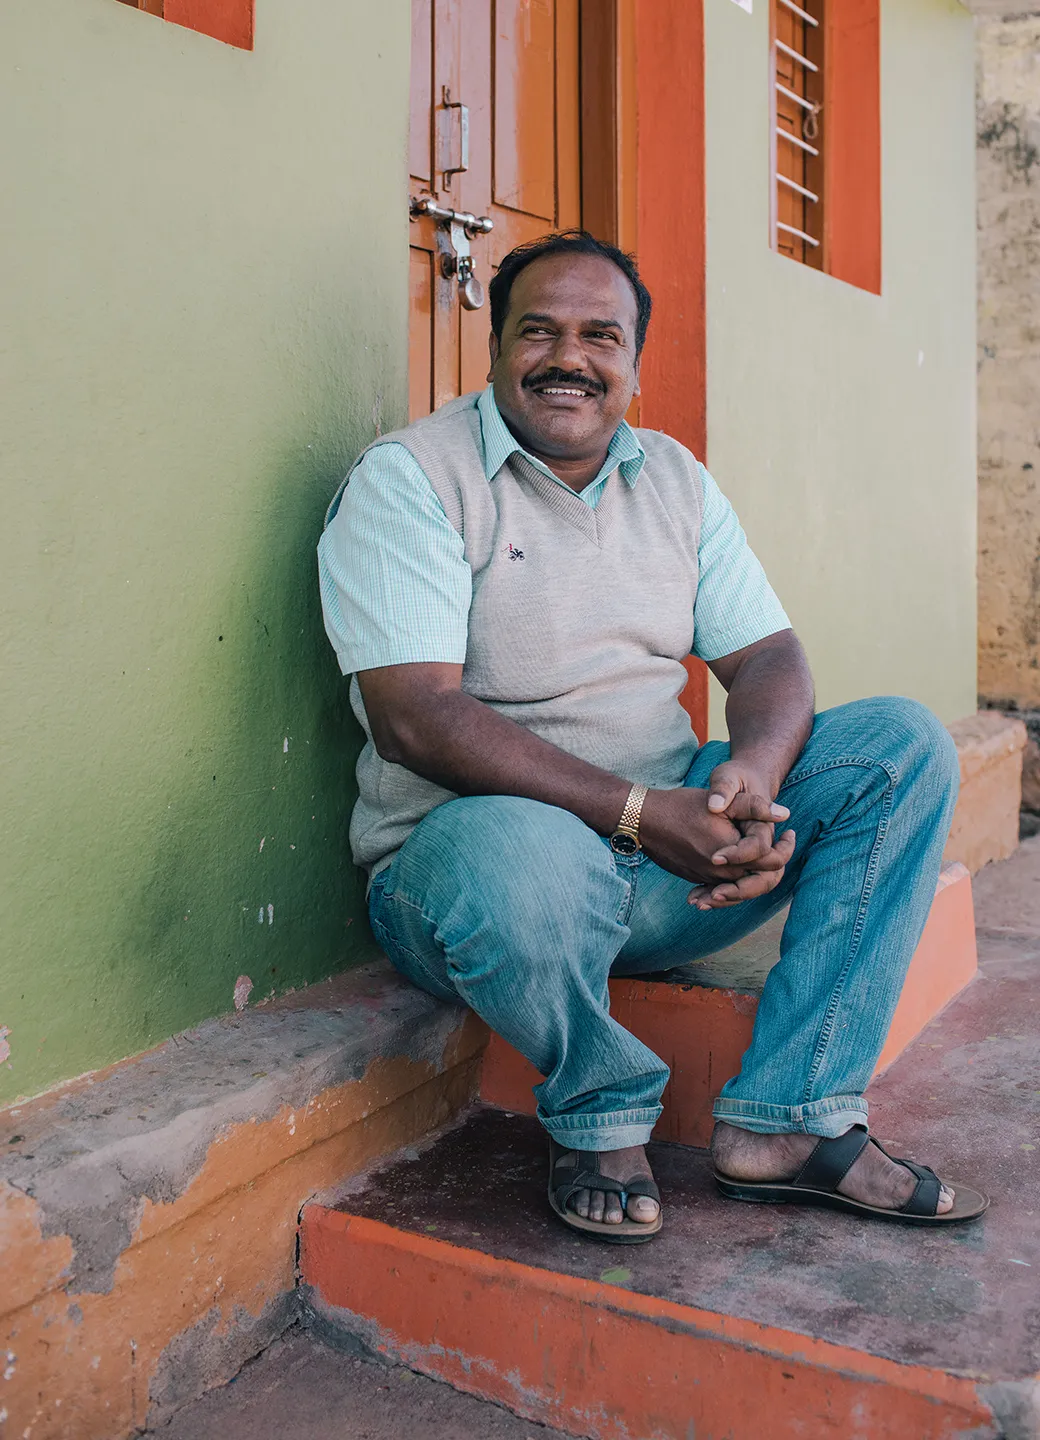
<point>495,131</point>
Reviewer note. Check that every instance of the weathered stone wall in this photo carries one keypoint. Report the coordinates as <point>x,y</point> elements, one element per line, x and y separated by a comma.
<point>1009,357</point>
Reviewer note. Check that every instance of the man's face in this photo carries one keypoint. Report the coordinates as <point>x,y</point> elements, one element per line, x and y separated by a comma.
<point>566,369</point>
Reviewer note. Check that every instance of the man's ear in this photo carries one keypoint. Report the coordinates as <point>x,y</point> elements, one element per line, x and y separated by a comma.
<point>493,348</point>
<point>636,390</point>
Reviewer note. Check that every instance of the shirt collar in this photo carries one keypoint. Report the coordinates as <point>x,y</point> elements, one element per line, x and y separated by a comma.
<point>624,452</point>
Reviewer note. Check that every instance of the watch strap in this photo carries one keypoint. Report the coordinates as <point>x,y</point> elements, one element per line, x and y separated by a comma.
<point>633,809</point>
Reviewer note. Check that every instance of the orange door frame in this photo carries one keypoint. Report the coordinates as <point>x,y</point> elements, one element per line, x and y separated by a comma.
<point>668,40</point>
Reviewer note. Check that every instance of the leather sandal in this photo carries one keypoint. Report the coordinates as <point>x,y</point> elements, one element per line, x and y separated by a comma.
<point>565,1180</point>
<point>830,1161</point>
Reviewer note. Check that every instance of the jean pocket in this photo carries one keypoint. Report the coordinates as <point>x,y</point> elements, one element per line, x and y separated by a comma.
<point>410,964</point>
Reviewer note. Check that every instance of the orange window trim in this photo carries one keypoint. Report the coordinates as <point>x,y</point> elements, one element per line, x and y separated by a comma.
<point>227,20</point>
<point>852,159</point>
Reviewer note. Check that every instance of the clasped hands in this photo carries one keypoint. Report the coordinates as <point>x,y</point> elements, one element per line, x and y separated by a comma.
<point>723,839</point>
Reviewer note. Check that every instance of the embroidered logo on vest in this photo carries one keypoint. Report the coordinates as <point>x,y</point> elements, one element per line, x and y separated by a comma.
<point>515,554</point>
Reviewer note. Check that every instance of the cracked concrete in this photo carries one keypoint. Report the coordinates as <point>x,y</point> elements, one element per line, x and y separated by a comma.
<point>93,1155</point>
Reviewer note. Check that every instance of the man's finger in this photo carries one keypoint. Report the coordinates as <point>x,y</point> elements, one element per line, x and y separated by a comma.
<point>724,789</point>
<point>746,805</point>
<point>751,887</point>
<point>756,842</point>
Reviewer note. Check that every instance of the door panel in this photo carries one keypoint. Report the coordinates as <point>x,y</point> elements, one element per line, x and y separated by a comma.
<point>420,136</point>
<point>506,70</point>
<point>525,103</point>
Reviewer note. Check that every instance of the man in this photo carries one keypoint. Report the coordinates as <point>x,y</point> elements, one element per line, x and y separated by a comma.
<point>514,583</point>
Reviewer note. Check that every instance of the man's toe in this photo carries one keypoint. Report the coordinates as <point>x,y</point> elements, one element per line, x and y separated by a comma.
<point>643,1209</point>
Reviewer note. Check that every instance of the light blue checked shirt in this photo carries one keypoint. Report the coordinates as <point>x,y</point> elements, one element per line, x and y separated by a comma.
<point>396,588</point>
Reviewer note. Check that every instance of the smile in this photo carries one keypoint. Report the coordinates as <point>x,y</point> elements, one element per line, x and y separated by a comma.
<point>561,390</point>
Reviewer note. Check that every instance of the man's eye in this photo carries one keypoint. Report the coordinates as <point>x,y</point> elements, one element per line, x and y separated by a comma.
<point>536,330</point>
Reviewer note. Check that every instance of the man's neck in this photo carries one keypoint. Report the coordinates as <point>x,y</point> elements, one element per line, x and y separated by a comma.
<point>575,474</point>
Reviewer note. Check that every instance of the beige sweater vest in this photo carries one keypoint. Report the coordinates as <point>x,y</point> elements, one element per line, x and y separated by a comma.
<point>580,618</point>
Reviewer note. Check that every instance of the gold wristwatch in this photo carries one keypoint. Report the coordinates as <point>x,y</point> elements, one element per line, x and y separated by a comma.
<point>625,839</point>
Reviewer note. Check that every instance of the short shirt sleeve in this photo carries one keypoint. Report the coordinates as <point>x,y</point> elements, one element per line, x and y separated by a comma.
<point>395,584</point>
<point>735,604</point>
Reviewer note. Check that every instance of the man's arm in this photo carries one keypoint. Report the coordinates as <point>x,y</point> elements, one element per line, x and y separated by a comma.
<point>421,718</point>
<point>769,714</point>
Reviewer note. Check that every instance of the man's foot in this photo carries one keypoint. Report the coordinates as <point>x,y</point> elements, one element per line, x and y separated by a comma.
<point>605,1207</point>
<point>874,1179</point>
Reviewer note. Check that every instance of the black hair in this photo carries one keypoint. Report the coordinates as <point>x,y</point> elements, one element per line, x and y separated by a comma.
<point>566,242</point>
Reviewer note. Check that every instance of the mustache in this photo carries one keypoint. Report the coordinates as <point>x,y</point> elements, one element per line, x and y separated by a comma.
<point>576,379</point>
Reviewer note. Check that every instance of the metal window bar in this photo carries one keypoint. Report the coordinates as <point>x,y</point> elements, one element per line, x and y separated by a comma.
<point>792,230</point>
<point>797,55</point>
<point>800,67</point>
<point>796,140</point>
<point>786,180</point>
<point>802,14</point>
<point>798,99</point>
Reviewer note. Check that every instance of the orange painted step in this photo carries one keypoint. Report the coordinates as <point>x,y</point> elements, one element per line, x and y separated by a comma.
<point>597,1359</point>
<point>700,1019</point>
<point>737,1322</point>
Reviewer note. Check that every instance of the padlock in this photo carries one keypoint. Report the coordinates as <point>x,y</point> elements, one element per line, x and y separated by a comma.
<point>471,292</point>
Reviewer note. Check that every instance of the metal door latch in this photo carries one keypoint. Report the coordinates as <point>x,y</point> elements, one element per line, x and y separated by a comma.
<point>462,227</point>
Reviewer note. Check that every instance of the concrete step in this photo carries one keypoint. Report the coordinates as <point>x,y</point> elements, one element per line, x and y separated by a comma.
<point>699,1017</point>
<point>737,1322</point>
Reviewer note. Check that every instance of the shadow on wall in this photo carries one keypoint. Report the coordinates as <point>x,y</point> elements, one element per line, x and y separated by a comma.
<point>251,872</point>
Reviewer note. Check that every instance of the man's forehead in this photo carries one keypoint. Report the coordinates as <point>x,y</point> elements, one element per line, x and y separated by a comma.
<point>587,284</point>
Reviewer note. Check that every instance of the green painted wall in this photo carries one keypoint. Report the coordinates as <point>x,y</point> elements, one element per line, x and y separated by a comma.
<point>202,319</point>
<point>842,424</point>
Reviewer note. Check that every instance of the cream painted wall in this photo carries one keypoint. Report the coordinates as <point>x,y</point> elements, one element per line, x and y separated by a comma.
<point>842,424</point>
<point>203,317</point>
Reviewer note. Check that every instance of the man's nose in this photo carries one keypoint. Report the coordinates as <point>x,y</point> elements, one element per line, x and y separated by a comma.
<point>569,351</point>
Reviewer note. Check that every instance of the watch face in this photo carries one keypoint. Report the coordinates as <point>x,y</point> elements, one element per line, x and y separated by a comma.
<point>623,844</point>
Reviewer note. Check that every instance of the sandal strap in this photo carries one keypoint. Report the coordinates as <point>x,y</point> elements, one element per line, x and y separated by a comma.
<point>642,1185</point>
<point>925,1199</point>
<point>831,1160</point>
<point>570,1180</point>
<point>585,1180</point>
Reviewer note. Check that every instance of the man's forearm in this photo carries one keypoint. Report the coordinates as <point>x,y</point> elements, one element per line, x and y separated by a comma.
<point>466,746</point>
<point>769,711</point>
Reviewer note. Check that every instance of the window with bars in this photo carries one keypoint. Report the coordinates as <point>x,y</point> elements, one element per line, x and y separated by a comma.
<point>826,136</point>
<point>798,129</point>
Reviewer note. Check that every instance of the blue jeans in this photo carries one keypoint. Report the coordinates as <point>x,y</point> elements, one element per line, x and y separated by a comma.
<point>521,911</point>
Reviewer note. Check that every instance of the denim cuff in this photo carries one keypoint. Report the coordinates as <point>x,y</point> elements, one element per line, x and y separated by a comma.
<point>614,1131</point>
<point>829,1118</point>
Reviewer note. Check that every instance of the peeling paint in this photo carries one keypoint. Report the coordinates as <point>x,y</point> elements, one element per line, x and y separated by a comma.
<point>5,1048</point>
<point>204,1192</point>
<point>243,990</point>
